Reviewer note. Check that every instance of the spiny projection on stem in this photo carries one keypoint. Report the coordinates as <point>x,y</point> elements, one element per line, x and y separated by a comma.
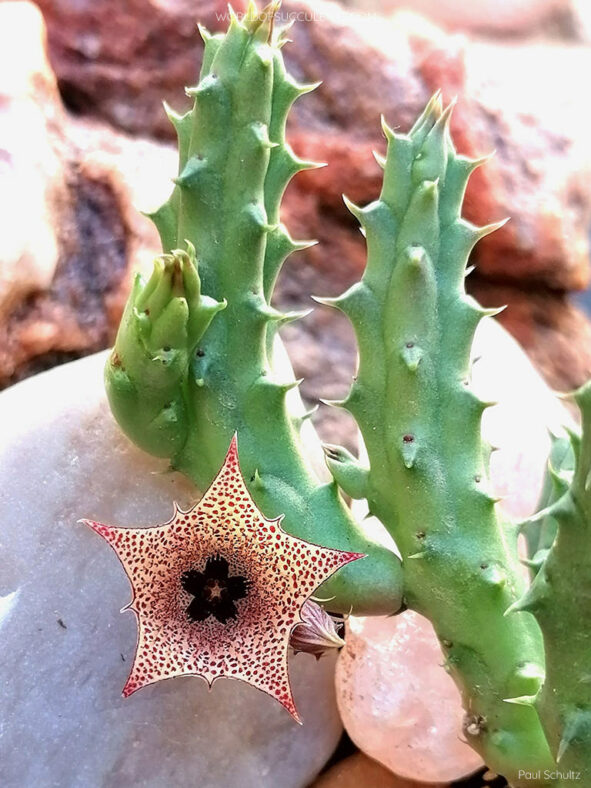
<point>540,530</point>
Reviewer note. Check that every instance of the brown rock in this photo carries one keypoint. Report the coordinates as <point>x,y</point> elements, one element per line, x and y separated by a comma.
<point>359,771</point>
<point>540,173</point>
<point>70,236</point>
<point>101,240</point>
<point>120,60</point>
<point>69,317</point>
<point>32,182</point>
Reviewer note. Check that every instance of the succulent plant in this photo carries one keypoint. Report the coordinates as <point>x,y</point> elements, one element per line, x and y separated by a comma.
<point>560,599</point>
<point>195,363</point>
<point>427,479</point>
<point>193,360</point>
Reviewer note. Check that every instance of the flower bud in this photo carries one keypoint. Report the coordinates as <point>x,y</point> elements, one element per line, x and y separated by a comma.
<point>318,632</point>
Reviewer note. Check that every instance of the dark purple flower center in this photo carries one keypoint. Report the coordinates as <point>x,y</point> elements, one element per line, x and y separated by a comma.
<point>214,592</point>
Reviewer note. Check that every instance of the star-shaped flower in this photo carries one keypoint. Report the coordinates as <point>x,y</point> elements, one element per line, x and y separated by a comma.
<point>218,589</point>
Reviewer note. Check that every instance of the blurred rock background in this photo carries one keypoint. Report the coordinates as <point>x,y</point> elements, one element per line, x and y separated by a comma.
<point>85,144</point>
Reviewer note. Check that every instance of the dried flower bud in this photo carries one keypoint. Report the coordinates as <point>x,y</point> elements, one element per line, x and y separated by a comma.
<point>318,631</point>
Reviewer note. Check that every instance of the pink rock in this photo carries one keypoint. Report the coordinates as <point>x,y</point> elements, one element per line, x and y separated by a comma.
<point>396,701</point>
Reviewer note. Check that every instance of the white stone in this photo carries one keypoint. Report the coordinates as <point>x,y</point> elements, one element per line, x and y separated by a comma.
<point>397,703</point>
<point>65,650</point>
<point>519,426</point>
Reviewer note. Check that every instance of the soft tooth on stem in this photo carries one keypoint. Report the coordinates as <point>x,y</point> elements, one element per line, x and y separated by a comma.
<point>540,530</point>
<point>421,424</point>
<point>234,165</point>
<point>560,599</point>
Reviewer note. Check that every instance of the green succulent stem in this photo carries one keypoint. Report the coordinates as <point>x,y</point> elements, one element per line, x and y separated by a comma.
<point>560,599</point>
<point>421,424</point>
<point>193,361</point>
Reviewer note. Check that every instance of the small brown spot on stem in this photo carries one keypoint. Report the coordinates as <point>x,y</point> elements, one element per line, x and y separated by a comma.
<point>474,724</point>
